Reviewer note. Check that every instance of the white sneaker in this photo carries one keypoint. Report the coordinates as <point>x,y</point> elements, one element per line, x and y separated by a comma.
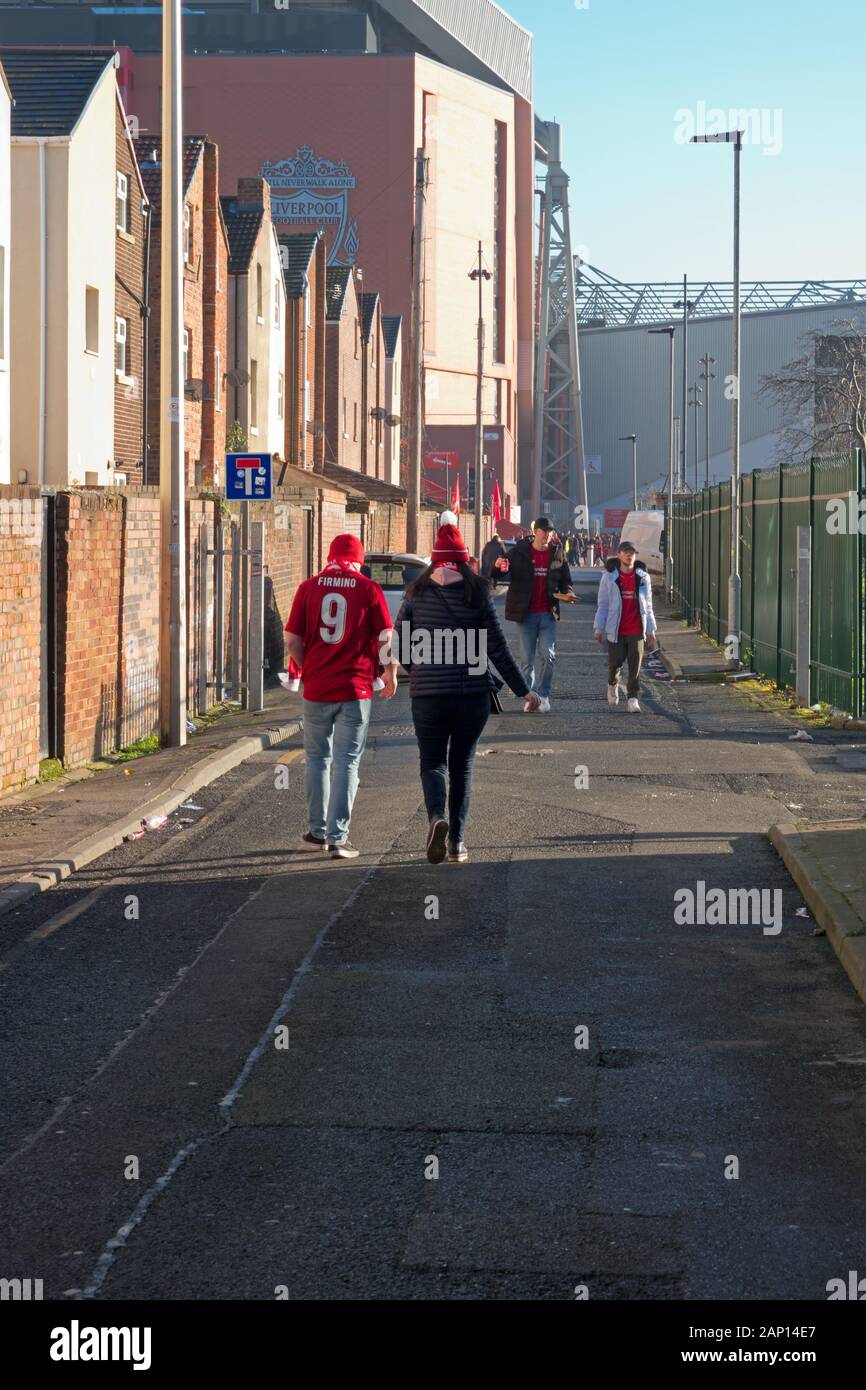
<point>634,707</point>
<point>545,705</point>
<point>613,694</point>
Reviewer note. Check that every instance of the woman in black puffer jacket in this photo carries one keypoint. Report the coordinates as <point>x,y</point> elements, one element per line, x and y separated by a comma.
<point>448,631</point>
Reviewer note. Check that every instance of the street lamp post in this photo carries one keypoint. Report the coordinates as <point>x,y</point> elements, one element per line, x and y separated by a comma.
<point>706,377</point>
<point>172,482</point>
<point>686,305</point>
<point>735,138</point>
<point>632,439</point>
<point>479,274</point>
<point>695,405</point>
<point>669,555</point>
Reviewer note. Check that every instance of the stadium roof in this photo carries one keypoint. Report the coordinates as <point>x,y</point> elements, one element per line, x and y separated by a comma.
<point>605,302</point>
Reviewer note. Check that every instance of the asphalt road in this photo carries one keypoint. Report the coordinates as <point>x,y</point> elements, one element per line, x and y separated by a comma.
<point>368,1081</point>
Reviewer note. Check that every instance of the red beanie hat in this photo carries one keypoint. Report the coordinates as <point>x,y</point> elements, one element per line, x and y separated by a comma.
<point>450,548</point>
<point>347,548</point>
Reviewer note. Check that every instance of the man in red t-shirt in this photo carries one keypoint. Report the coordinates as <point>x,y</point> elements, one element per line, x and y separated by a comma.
<point>337,630</point>
<point>625,618</point>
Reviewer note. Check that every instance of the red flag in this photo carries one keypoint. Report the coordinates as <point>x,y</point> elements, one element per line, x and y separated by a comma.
<point>455,497</point>
<point>497,503</point>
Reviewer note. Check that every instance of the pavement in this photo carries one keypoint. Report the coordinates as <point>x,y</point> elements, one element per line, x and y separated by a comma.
<point>241,1072</point>
<point>51,830</point>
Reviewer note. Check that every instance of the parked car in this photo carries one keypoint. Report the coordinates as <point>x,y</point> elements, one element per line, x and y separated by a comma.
<point>394,571</point>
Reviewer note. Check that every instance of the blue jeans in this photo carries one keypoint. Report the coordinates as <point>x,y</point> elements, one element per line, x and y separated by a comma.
<point>538,639</point>
<point>335,737</point>
<point>448,728</point>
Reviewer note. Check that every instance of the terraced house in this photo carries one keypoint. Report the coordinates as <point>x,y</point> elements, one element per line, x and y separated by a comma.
<point>205,307</point>
<point>302,255</point>
<point>79,232</point>
<point>256,377</point>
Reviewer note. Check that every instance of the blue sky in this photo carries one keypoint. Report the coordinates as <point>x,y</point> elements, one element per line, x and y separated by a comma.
<point>645,207</point>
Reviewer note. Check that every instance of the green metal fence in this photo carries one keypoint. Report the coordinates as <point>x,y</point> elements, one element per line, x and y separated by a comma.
<point>773,504</point>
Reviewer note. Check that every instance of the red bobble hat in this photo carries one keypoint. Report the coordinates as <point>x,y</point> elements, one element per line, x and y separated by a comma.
<point>346,548</point>
<point>450,548</point>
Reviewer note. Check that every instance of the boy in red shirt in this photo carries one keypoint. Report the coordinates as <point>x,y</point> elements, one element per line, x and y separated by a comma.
<point>337,628</point>
<point>625,618</point>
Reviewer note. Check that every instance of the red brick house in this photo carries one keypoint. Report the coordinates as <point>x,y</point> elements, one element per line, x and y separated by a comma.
<point>205,307</point>
<point>343,370</point>
<point>303,259</point>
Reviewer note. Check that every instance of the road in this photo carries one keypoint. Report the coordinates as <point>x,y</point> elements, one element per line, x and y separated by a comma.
<point>233,1072</point>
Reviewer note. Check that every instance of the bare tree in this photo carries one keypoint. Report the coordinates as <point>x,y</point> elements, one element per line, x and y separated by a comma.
<point>822,394</point>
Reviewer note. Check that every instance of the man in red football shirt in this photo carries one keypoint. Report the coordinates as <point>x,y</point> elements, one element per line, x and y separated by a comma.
<point>337,628</point>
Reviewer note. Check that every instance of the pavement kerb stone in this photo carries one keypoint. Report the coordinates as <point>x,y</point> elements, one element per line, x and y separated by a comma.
<point>208,769</point>
<point>831,909</point>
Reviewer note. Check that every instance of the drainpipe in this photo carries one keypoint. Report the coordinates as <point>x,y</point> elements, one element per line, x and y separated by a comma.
<point>294,405</point>
<point>302,310</point>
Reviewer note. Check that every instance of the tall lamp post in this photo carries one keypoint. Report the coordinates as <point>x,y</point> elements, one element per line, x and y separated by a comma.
<point>632,439</point>
<point>172,482</point>
<point>479,274</point>
<point>695,403</point>
<point>706,377</point>
<point>735,138</point>
<point>669,549</point>
<point>686,305</point>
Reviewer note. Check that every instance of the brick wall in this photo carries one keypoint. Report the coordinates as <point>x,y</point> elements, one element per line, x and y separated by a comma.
<point>21,521</point>
<point>129,264</point>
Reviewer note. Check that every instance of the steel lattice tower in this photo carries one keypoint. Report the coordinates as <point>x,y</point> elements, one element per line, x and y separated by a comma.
<point>558,465</point>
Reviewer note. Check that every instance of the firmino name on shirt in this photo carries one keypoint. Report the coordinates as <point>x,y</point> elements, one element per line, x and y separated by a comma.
<point>335,582</point>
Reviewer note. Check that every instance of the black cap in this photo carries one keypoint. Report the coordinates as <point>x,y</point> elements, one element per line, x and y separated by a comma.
<point>627,545</point>
<point>543,523</point>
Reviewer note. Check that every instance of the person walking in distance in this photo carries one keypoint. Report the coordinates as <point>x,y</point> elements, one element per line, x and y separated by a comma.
<point>449,631</point>
<point>625,619</point>
<point>540,581</point>
<point>337,628</point>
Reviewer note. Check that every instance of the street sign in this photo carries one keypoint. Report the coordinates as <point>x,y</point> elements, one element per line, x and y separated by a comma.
<point>248,478</point>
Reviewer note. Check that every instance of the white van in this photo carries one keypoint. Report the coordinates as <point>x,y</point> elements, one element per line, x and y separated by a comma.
<point>644,530</point>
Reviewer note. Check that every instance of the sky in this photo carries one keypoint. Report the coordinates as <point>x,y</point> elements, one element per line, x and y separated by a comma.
<point>626,78</point>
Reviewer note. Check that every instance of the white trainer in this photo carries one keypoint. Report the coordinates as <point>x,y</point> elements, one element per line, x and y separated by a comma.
<point>634,707</point>
<point>613,694</point>
<point>544,707</point>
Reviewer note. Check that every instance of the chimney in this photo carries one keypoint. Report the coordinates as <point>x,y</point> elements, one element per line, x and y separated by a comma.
<point>254,193</point>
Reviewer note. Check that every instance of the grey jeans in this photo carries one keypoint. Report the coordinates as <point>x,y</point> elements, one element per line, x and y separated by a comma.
<point>626,650</point>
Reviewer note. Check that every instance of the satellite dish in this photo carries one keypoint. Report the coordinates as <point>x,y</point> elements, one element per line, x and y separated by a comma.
<point>238,376</point>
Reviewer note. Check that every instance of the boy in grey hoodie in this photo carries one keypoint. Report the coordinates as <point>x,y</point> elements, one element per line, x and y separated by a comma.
<point>625,619</point>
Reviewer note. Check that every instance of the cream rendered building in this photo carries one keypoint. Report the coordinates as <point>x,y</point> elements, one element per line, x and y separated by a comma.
<point>64,199</point>
<point>256,394</point>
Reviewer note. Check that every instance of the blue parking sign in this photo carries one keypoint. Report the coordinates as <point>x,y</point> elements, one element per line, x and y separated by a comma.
<point>248,478</point>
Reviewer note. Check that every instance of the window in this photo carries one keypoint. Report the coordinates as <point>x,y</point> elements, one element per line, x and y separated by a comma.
<point>254,394</point>
<point>276,304</point>
<point>2,303</point>
<point>357,337</point>
<point>345,418</point>
<point>260,294</point>
<point>185,356</point>
<point>218,381</point>
<point>187,233</point>
<point>355,421</point>
<point>120,347</point>
<point>122,207</point>
<point>91,319</point>
<point>280,392</point>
